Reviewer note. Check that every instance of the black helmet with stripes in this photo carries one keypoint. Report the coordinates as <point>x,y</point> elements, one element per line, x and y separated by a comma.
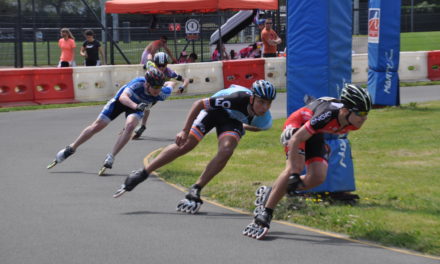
<point>155,77</point>
<point>355,98</point>
<point>161,59</point>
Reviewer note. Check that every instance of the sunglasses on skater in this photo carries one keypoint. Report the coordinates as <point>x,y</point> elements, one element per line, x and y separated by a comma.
<point>360,113</point>
<point>156,87</point>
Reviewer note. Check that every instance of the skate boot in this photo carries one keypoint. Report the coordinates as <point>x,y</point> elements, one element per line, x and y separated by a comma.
<point>61,156</point>
<point>259,227</point>
<point>192,202</point>
<point>262,194</point>
<point>132,181</point>
<point>138,132</point>
<point>108,164</point>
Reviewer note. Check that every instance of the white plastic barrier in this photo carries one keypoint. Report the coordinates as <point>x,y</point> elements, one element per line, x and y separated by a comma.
<point>275,71</point>
<point>101,83</point>
<point>413,66</point>
<point>205,77</point>
<point>180,69</point>
<point>122,74</point>
<point>93,83</point>
<point>359,68</point>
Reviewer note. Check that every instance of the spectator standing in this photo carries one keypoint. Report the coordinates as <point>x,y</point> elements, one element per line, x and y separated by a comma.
<point>91,50</point>
<point>67,46</point>
<point>270,39</point>
<point>154,47</point>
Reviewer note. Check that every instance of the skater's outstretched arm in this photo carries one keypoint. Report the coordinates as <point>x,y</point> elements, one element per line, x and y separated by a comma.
<point>195,110</point>
<point>251,128</point>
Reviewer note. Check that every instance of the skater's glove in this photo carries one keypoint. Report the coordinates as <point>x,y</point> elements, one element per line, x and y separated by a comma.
<point>141,107</point>
<point>286,135</point>
<point>181,88</point>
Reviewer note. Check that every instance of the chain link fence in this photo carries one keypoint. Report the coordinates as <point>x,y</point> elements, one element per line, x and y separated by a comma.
<point>36,36</point>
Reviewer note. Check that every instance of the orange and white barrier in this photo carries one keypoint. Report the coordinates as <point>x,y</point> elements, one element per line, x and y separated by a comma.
<point>242,72</point>
<point>93,83</point>
<point>204,77</point>
<point>275,71</point>
<point>36,86</point>
<point>434,65</point>
<point>413,66</point>
<point>53,85</point>
<point>57,85</point>
<point>16,87</point>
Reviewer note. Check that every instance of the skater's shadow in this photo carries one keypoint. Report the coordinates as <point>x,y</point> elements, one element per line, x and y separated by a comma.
<point>89,173</point>
<point>158,139</point>
<point>208,214</point>
<point>309,238</point>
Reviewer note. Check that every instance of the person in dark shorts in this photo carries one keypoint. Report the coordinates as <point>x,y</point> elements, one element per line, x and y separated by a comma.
<point>91,50</point>
<point>231,111</point>
<point>304,144</point>
<point>132,99</point>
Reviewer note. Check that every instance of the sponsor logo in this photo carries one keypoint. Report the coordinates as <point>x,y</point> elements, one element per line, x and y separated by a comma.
<point>373,25</point>
<point>341,153</point>
<point>388,73</point>
<point>320,117</point>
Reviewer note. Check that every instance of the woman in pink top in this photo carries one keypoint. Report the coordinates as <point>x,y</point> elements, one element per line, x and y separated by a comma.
<point>67,46</point>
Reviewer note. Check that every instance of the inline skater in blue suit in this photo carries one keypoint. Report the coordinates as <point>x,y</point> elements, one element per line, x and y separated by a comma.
<point>230,111</point>
<point>133,99</point>
<point>160,62</point>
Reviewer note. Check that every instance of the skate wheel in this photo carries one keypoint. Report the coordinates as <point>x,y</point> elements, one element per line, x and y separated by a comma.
<point>119,193</point>
<point>248,229</point>
<point>181,205</point>
<point>51,165</point>
<point>102,171</point>
<point>261,233</point>
<point>195,209</point>
<point>258,210</point>
<point>259,201</point>
<point>189,206</point>
<point>260,191</point>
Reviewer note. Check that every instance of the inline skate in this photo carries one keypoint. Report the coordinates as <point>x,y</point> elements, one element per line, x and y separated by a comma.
<point>132,181</point>
<point>108,164</point>
<point>192,202</point>
<point>61,156</point>
<point>259,227</point>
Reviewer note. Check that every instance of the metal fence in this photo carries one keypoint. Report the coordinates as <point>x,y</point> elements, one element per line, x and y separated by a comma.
<point>40,45</point>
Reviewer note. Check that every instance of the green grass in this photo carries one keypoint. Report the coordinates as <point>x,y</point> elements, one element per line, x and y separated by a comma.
<point>415,41</point>
<point>397,167</point>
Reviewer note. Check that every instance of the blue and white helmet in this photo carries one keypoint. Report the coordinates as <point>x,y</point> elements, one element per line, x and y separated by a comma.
<point>264,90</point>
<point>161,59</point>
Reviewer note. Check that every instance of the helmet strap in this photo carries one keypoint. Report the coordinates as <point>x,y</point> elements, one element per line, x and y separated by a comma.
<point>251,105</point>
<point>347,116</point>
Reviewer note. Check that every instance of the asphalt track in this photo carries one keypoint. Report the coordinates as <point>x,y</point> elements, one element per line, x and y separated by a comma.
<point>67,214</point>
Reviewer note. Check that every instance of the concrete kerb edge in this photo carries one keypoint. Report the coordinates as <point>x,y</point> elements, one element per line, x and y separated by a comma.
<point>327,233</point>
